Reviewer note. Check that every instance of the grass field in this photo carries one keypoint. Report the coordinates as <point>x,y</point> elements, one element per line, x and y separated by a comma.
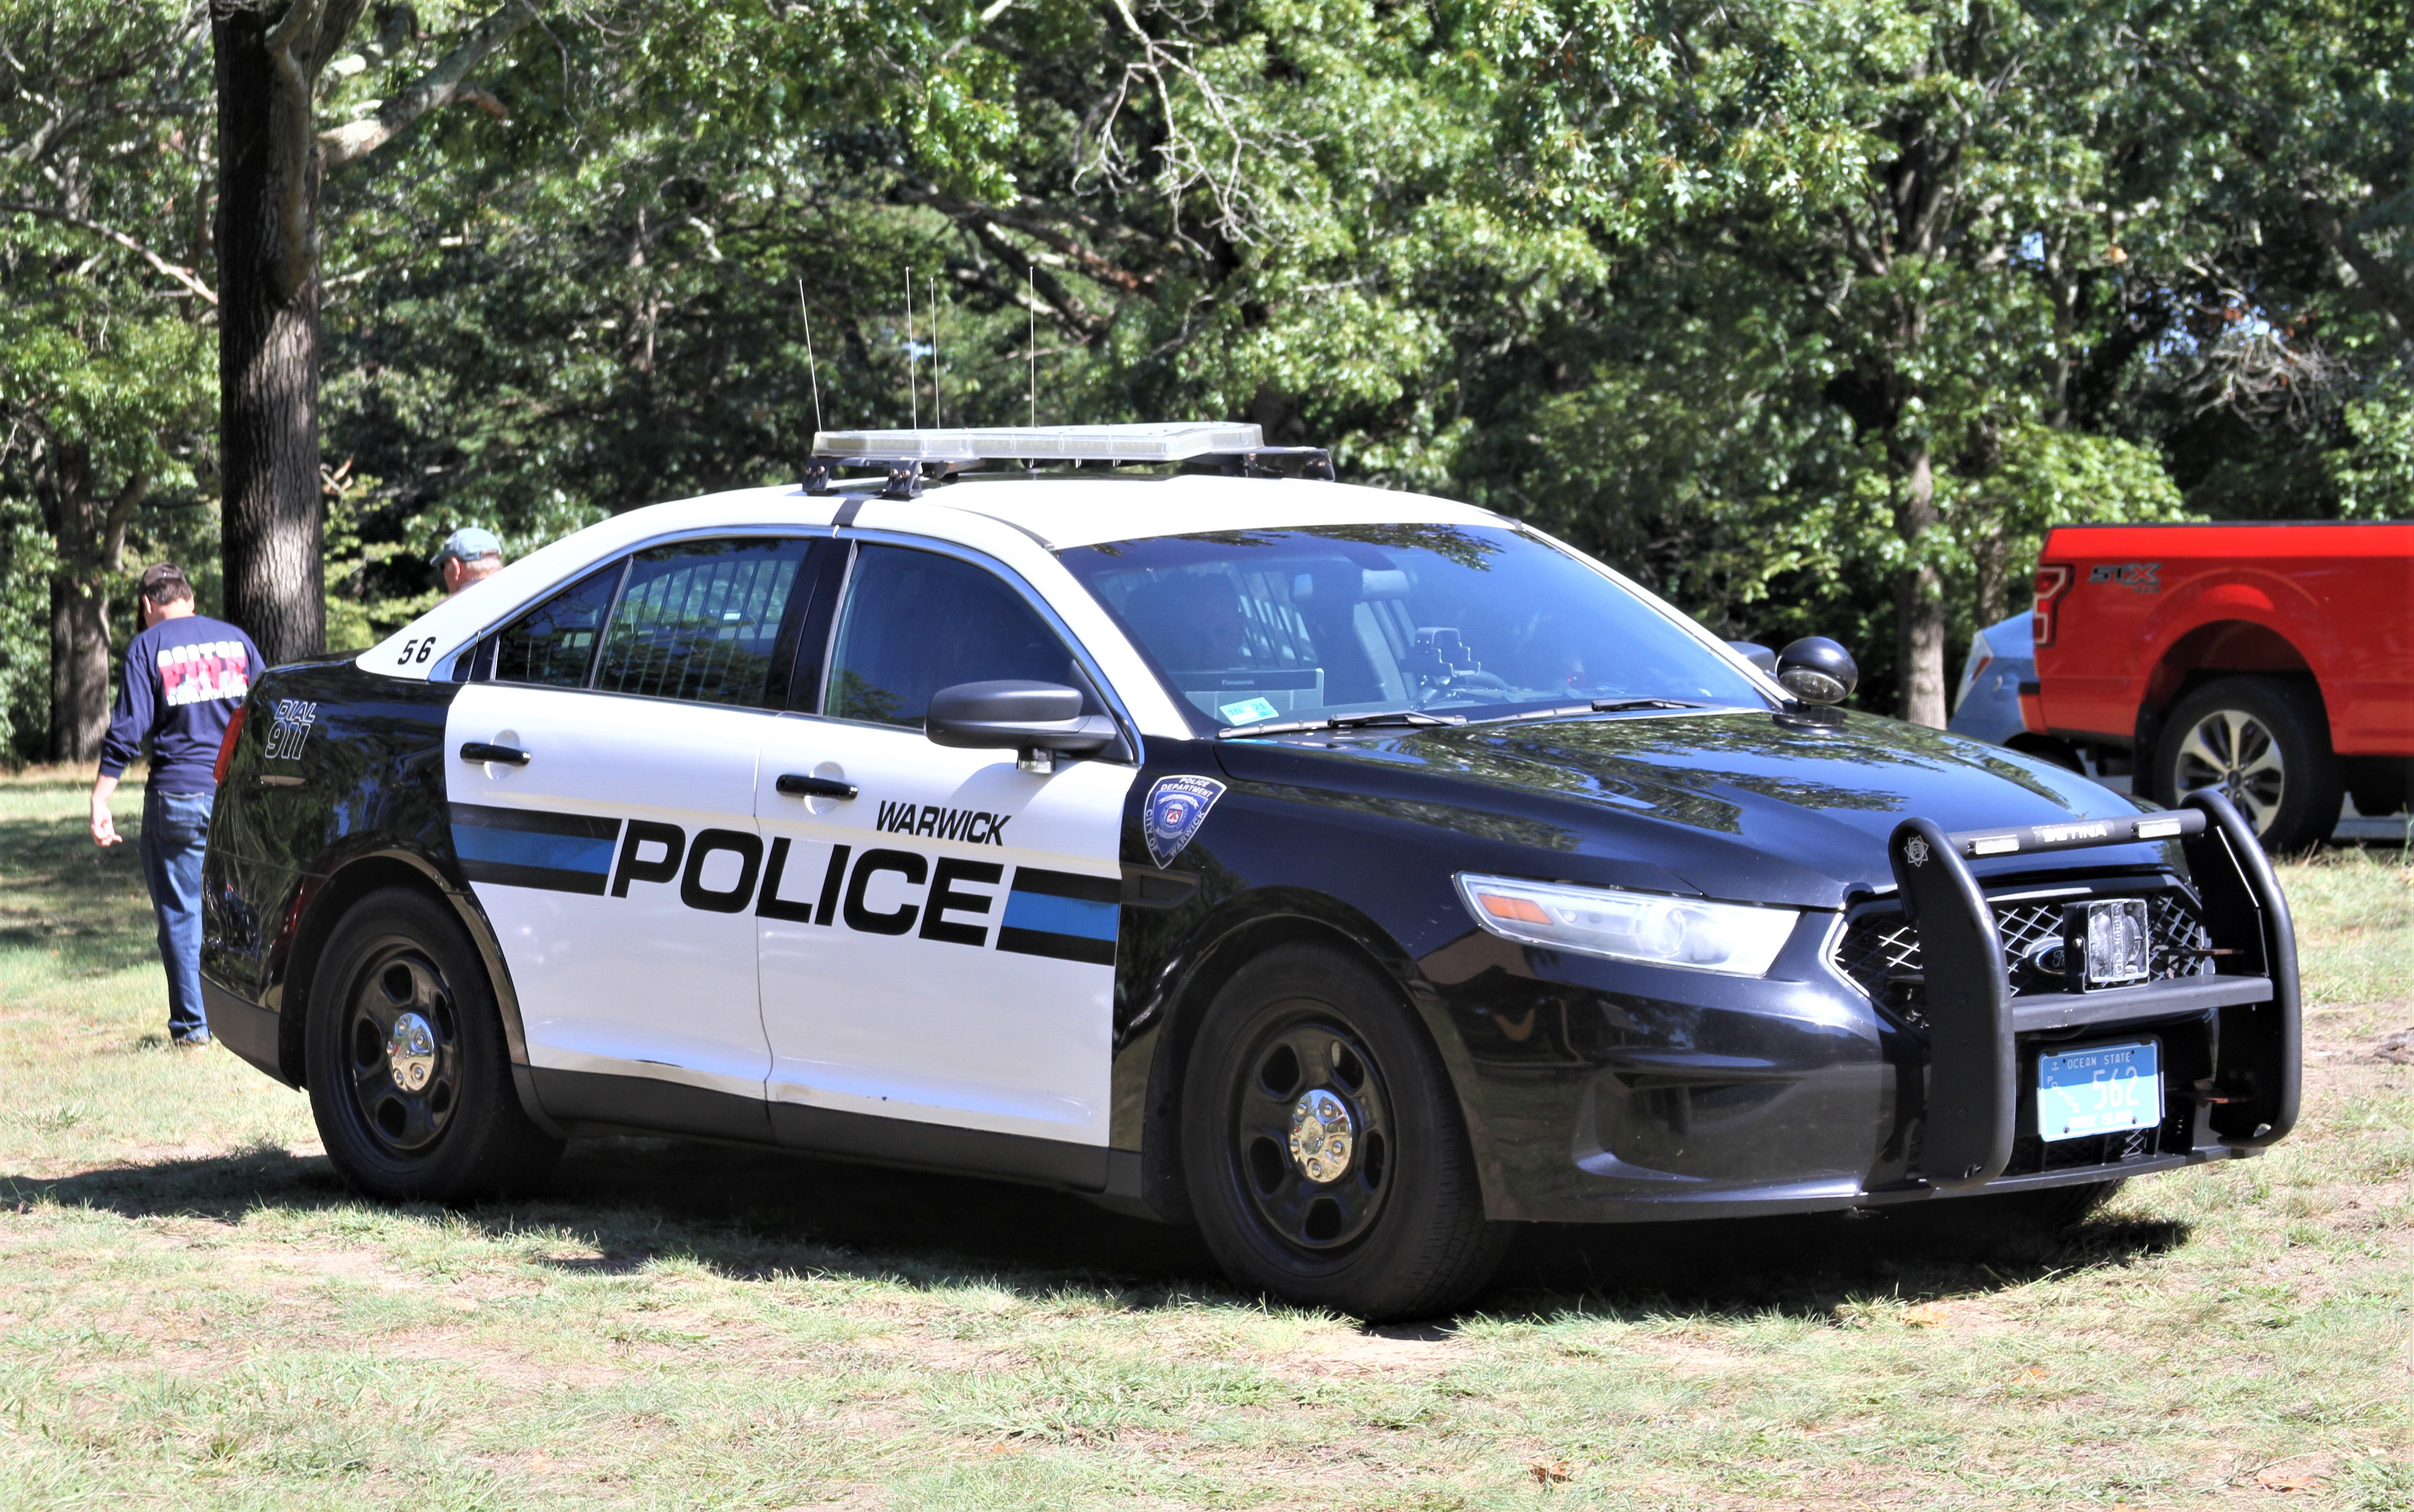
<point>193,1311</point>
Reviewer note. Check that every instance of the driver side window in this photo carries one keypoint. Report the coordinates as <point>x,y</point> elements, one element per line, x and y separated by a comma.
<point>917,621</point>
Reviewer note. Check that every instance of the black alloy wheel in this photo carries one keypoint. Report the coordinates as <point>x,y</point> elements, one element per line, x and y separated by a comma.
<point>408,1072</point>
<point>1311,1136</point>
<point>1323,1146</point>
<point>404,1038</point>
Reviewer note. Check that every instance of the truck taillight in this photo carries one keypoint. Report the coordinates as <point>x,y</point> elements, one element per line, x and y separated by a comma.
<point>226,744</point>
<point>2051,578</point>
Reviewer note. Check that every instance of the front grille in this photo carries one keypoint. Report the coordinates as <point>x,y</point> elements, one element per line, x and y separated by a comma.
<point>1878,951</point>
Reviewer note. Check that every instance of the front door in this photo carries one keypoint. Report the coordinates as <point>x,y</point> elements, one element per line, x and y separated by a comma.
<point>619,864</point>
<point>939,948</point>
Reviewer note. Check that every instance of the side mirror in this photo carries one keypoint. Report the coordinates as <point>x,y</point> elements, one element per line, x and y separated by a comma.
<point>1817,670</point>
<point>1756,653</point>
<point>1039,721</point>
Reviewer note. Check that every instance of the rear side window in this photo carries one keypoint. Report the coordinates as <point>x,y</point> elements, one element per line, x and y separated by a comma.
<point>700,621</point>
<point>554,644</point>
<point>916,621</point>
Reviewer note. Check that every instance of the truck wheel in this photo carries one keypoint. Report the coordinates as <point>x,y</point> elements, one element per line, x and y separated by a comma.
<point>2265,746</point>
<point>1323,1146</point>
<point>409,1078</point>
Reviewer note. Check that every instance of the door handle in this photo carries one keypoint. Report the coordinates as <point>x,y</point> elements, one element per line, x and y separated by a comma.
<point>509,756</point>
<point>796,784</point>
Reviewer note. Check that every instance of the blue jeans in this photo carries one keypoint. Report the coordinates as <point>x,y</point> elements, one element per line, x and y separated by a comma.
<point>175,830</point>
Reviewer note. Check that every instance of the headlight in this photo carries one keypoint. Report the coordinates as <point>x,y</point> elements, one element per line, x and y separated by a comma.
<point>1630,926</point>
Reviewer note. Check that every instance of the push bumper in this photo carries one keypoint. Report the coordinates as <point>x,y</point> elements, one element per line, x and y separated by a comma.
<point>2248,1096</point>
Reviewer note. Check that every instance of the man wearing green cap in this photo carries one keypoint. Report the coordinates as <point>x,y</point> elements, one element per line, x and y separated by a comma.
<point>470,553</point>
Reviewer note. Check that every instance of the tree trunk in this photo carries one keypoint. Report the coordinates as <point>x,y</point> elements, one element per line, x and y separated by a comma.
<point>1919,601</point>
<point>1994,585</point>
<point>273,529</point>
<point>79,588</point>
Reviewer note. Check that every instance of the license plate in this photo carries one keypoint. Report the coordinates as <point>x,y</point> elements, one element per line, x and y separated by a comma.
<point>2103,1089</point>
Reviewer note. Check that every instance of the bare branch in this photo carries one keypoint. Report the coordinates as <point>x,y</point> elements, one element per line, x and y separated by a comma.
<point>439,86</point>
<point>120,514</point>
<point>158,264</point>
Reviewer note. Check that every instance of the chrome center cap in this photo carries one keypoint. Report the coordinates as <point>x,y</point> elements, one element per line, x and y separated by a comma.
<point>1322,1138</point>
<point>410,1053</point>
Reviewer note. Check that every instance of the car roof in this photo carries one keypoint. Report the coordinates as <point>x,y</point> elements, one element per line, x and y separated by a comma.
<point>1003,514</point>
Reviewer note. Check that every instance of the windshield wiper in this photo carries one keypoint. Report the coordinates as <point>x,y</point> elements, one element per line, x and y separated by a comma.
<point>1388,716</point>
<point>1599,706</point>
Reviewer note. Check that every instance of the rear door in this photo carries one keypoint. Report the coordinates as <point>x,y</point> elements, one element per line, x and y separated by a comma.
<point>618,862</point>
<point>939,948</point>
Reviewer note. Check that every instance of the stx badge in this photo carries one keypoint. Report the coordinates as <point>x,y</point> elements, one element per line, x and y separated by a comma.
<point>2137,577</point>
<point>1177,806</point>
<point>1915,850</point>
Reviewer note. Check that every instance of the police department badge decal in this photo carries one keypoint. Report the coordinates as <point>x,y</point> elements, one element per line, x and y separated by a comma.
<point>1177,806</point>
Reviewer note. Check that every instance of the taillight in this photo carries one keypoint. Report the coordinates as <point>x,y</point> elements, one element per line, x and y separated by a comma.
<point>226,744</point>
<point>2051,578</point>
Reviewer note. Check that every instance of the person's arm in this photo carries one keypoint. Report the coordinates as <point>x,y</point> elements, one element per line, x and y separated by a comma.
<point>104,824</point>
<point>129,722</point>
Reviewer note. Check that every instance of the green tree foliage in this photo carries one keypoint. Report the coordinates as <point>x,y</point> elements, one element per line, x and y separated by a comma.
<point>105,361</point>
<point>1814,317</point>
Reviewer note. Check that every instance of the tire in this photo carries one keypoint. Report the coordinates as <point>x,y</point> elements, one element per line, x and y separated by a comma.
<point>2265,746</point>
<point>1393,1226</point>
<point>409,1077</point>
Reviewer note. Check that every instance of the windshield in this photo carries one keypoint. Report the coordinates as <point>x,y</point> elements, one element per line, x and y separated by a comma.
<point>1254,626</point>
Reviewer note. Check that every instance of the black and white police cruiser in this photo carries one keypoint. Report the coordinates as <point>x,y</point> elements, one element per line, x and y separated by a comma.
<point>1350,873</point>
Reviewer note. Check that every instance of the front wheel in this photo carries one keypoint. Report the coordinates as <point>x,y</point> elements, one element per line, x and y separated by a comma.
<point>410,1079</point>
<point>1323,1146</point>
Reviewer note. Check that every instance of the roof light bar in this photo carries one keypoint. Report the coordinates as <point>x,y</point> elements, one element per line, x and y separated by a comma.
<point>1172,443</point>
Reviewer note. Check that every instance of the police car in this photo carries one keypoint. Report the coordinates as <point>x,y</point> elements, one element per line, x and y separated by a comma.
<point>1350,873</point>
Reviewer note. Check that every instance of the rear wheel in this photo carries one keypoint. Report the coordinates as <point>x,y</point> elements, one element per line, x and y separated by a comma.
<point>2265,746</point>
<point>1323,1146</point>
<point>409,1078</point>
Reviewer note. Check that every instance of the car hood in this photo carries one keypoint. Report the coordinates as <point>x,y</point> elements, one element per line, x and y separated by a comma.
<point>1777,808</point>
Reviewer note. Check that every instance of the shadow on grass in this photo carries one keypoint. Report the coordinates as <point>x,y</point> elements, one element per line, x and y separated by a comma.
<point>60,892</point>
<point>754,1213</point>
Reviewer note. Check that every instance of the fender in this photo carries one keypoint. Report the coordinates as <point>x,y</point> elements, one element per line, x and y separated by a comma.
<point>2268,602</point>
<point>1153,1039</point>
<point>331,887</point>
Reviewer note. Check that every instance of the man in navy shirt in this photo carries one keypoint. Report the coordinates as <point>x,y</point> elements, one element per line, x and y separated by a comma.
<point>185,675</point>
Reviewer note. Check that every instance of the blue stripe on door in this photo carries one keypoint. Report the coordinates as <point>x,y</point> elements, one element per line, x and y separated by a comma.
<point>519,847</point>
<point>1060,915</point>
<point>531,848</point>
<point>1064,914</point>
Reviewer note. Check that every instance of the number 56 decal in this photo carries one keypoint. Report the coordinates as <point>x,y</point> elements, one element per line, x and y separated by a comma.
<point>423,646</point>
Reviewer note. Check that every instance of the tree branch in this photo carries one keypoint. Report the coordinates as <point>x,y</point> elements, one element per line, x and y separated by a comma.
<point>120,514</point>
<point>439,86</point>
<point>158,264</point>
<point>2378,285</point>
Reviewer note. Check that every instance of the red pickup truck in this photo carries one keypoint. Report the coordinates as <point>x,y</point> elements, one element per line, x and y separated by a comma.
<point>2272,661</point>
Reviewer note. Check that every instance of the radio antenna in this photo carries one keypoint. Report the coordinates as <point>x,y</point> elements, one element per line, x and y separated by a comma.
<point>812,369</point>
<point>938,413</point>
<point>1030,308</point>
<point>913,384</point>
